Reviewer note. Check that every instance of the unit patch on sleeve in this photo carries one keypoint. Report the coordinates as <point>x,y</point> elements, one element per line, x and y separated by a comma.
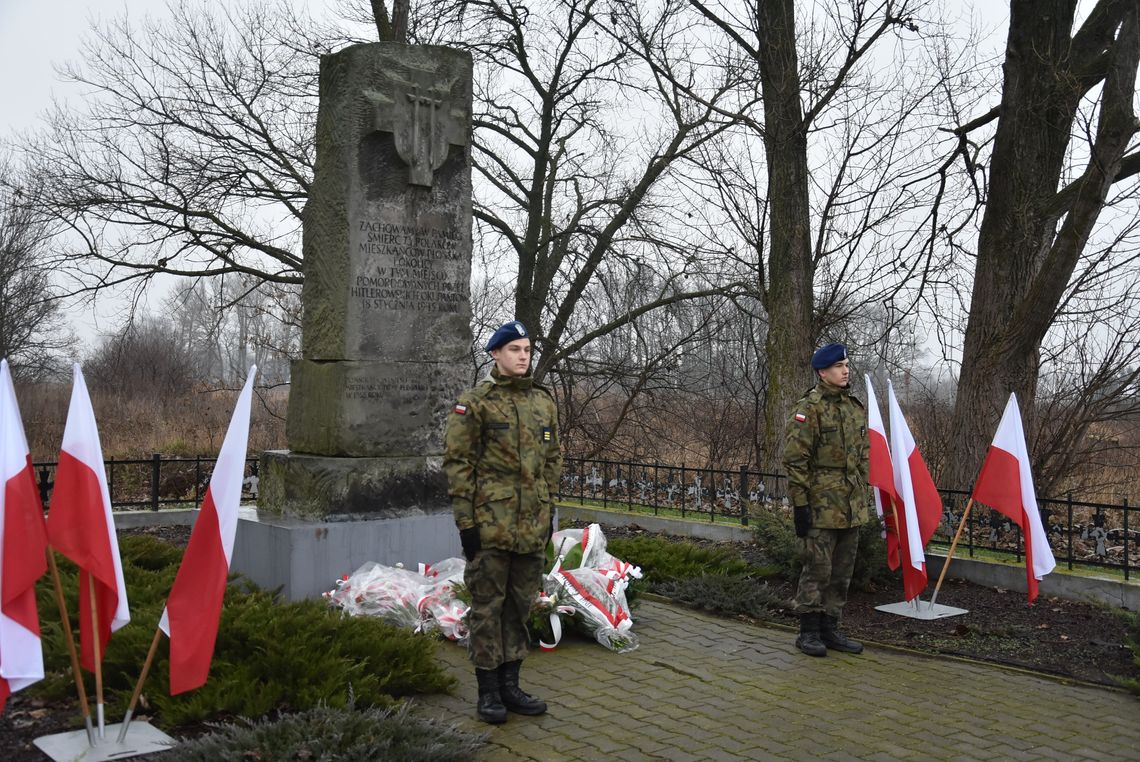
<point>460,410</point>
<point>801,417</point>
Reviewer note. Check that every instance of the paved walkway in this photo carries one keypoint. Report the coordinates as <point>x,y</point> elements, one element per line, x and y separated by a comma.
<point>704,688</point>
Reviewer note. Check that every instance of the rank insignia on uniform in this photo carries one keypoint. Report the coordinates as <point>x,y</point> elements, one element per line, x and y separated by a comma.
<point>547,434</point>
<point>460,410</point>
<point>801,417</point>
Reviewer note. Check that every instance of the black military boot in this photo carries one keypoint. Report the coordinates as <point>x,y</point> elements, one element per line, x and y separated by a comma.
<point>834,639</point>
<point>490,707</point>
<point>514,698</point>
<point>809,641</point>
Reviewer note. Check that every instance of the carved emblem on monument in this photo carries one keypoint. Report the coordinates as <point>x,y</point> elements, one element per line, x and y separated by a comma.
<point>423,120</point>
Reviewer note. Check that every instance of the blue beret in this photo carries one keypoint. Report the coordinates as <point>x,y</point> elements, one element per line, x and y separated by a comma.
<point>827,356</point>
<point>506,333</point>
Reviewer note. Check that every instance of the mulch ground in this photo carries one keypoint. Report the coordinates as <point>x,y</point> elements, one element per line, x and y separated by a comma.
<point>1082,641</point>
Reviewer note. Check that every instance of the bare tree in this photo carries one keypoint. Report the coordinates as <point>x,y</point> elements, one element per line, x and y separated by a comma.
<point>191,152</point>
<point>840,171</point>
<point>34,336</point>
<point>228,324</point>
<point>565,184</point>
<point>144,360</point>
<point>1042,205</point>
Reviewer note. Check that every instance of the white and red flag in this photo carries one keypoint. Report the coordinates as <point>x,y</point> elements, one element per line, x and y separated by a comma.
<point>23,551</point>
<point>1006,485</point>
<point>922,505</point>
<point>882,476</point>
<point>80,525</point>
<point>194,606</point>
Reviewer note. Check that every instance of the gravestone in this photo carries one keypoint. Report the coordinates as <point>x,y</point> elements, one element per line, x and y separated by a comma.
<point>386,331</point>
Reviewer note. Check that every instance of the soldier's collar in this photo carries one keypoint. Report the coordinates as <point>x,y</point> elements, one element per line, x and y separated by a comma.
<point>514,382</point>
<point>831,390</point>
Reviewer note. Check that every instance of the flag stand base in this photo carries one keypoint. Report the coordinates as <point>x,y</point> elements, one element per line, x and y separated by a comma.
<point>142,738</point>
<point>918,609</point>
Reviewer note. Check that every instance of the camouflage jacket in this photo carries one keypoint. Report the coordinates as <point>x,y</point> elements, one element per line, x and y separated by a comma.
<point>826,452</point>
<point>503,463</point>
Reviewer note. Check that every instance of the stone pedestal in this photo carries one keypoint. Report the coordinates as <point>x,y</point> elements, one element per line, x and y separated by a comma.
<point>305,558</point>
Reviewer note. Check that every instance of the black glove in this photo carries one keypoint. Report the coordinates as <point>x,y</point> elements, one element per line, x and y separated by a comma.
<point>469,539</point>
<point>553,527</point>
<point>801,514</point>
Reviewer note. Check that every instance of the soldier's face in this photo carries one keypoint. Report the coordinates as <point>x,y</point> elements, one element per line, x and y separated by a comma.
<point>837,374</point>
<point>513,359</point>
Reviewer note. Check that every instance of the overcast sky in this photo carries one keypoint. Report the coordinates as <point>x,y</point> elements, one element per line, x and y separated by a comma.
<point>34,34</point>
<point>37,35</point>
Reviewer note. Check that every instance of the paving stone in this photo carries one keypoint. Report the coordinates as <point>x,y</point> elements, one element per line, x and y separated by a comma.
<point>703,688</point>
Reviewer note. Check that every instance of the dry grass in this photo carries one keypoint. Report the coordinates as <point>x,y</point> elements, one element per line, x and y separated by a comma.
<point>132,427</point>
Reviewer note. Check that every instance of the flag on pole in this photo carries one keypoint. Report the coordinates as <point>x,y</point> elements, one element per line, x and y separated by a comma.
<point>194,606</point>
<point>882,476</point>
<point>23,551</point>
<point>1006,485</point>
<point>80,525</point>
<point>922,505</point>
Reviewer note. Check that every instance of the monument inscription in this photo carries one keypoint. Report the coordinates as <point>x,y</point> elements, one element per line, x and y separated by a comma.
<point>401,267</point>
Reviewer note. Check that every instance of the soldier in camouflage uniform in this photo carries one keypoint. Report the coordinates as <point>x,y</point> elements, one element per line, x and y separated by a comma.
<point>503,465</point>
<point>826,460</point>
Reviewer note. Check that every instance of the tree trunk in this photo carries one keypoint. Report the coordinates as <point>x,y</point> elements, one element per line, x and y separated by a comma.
<point>1024,261</point>
<point>380,15</point>
<point>789,299</point>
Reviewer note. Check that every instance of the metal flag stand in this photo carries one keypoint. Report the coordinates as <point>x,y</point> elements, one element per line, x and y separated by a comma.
<point>144,739</point>
<point>918,609</point>
<point>87,746</point>
<point>915,609</point>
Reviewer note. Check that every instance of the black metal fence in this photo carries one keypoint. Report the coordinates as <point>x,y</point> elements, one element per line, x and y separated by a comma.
<point>155,482</point>
<point>1081,533</point>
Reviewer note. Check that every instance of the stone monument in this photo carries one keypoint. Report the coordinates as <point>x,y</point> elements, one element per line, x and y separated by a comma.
<point>386,330</point>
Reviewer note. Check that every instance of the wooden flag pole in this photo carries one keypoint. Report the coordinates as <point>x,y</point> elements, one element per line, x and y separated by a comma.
<point>95,652</point>
<point>950,553</point>
<point>69,636</point>
<point>139,684</point>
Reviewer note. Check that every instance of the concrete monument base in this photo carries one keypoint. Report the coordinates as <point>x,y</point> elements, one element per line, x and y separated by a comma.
<point>305,558</point>
<point>319,486</point>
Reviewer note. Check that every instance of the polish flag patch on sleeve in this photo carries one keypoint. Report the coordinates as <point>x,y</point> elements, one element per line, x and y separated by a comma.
<point>801,417</point>
<point>460,410</point>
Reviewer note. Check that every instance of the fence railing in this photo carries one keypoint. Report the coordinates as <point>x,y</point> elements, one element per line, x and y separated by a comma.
<point>155,482</point>
<point>1081,533</point>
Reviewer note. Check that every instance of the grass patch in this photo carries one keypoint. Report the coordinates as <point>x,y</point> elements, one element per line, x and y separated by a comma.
<point>328,733</point>
<point>1132,640</point>
<point>270,655</point>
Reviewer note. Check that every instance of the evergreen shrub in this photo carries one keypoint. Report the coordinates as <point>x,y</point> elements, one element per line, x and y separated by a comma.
<point>270,655</point>
<point>775,533</point>
<point>326,733</point>
<point>731,594</point>
<point>662,559</point>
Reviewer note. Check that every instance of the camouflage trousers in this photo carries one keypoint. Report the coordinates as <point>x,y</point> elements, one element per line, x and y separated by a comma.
<point>828,557</point>
<point>502,586</point>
